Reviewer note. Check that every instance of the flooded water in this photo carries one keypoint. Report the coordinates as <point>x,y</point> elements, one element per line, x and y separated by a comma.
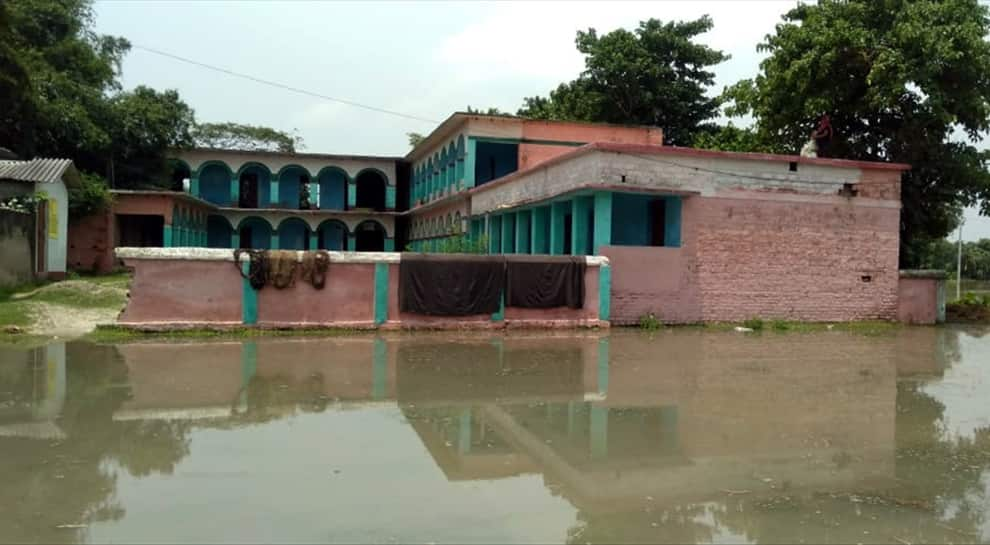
<point>683,436</point>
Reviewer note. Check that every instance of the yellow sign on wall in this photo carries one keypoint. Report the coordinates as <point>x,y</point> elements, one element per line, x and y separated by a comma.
<point>52,219</point>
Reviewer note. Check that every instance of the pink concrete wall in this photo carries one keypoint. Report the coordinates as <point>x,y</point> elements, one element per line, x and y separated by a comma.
<point>583,132</point>
<point>531,154</point>
<point>652,280</point>
<point>917,300</point>
<point>346,299</point>
<point>183,291</point>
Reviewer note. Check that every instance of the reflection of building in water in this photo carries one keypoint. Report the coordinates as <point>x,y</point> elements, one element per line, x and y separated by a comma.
<point>39,394</point>
<point>687,418</point>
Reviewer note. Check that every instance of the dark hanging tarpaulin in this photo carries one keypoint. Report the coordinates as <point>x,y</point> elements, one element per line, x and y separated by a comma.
<point>454,285</point>
<point>545,281</point>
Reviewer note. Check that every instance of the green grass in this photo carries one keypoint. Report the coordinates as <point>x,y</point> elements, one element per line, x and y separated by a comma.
<point>866,327</point>
<point>117,334</point>
<point>78,295</point>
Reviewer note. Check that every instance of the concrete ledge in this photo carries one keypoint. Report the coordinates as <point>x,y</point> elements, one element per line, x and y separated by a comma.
<point>924,273</point>
<point>223,254</point>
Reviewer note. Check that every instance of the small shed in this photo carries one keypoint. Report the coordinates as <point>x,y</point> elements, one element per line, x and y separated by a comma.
<point>48,178</point>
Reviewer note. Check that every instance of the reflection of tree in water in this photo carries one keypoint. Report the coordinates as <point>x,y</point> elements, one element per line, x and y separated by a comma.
<point>52,482</point>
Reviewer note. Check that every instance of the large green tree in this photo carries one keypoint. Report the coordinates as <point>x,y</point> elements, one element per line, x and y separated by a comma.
<point>245,137</point>
<point>902,80</point>
<point>655,75</point>
<point>60,96</point>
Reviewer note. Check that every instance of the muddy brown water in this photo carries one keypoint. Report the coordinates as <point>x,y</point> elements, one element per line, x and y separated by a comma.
<point>683,436</point>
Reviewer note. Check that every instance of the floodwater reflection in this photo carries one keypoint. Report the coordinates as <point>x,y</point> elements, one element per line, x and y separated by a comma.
<point>682,436</point>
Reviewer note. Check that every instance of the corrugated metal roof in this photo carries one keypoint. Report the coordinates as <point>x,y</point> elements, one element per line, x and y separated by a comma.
<point>39,170</point>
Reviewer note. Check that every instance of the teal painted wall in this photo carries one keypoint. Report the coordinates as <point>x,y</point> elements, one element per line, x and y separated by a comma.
<point>289,185</point>
<point>632,219</point>
<point>261,233</point>
<point>540,230</point>
<point>494,160</point>
<point>293,235</point>
<point>523,231</point>
<point>602,233</point>
<point>495,234</point>
<point>334,236</point>
<point>214,185</point>
<point>583,225</point>
<point>333,187</point>
<point>508,238</point>
<point>381,293</point>
<point>218,233</point>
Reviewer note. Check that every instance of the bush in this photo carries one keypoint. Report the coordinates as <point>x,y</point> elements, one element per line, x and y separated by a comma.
<point>971,308</point>
<point>780,325</point>
<point>756,324</point>
<point>463,244</point>
<point>649,322</point>
<point>91,195</point>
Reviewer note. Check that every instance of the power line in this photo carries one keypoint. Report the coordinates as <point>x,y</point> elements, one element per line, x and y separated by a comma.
<point>282,85</point>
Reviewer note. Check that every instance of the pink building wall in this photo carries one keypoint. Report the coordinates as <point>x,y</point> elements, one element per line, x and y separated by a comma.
<point>921,299</point>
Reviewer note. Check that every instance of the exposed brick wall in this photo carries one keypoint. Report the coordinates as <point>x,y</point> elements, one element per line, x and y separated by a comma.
<point>91,243</point>
<point>800,261</point>
<point>880,184</point>
<point>747,257</point>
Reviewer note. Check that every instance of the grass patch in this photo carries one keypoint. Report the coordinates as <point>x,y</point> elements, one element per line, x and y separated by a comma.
<point>780,325</point>
<point>80,294</point>
<point>117,334</point>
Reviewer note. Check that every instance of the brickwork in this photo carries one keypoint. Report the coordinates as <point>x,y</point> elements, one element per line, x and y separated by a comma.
<point>91,243</point>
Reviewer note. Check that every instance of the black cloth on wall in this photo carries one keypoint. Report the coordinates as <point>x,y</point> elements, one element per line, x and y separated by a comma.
<point>545,282</point>
<point>438,285</point>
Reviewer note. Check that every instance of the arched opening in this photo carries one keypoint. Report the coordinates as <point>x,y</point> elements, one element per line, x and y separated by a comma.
<point>458,228</point>
<point>255,186</point>
<point>218,232</point>
<point>255,233</point>
<point>333,189</point>
<point>291,183</point>
<point>369,236</point>
<point>178,173</point>
<point>293,234</point>
<point>370,190</point>
<point>332,235</point>
<point>214,184</point>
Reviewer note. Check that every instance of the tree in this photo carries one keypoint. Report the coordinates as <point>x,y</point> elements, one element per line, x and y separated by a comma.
<point>145,125</point>
<point>245,138</point>
<point>655,75</point>
<point>898,78</point>
<point>489,111</point>
<point>731,138</point>
<point>414,138</point>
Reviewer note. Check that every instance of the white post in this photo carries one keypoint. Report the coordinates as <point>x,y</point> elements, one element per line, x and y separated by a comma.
<point>959,262</point>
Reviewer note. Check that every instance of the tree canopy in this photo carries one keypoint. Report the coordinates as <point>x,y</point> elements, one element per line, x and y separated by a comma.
<point>60,96</point>
<point>655,75</point>
<point>902,81</point>
<point>245,138</point>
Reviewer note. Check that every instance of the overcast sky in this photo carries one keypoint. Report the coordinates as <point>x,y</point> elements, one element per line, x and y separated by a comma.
<point>423,59</point>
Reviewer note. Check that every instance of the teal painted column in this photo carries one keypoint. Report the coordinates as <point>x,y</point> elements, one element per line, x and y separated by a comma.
<point>350,242</point>
<point>274,245</point>
<point>523,220</point>
<point>351,194</point>
<point>464,431</point>
<point>469,161</point>
<point>167,236</point>
<point>599,432</point>
<point>194,185</point>
<point>557,212</point>
<point>389,244</point>
<point>235,193</point>
<point>314,240</point>
<point>273,191</point>
<point>249,367</point>
<point>603,365</point>
<point>672,222</point>
<point>499,314</point>
<point>539,222</point>
<point>508,238</point>
<point>580,209</point>
<point>381,293</point>
<point>603,221</point>
<point>390,197</point>
<point>379,369</point>
<point>604,292</point>
<point>235,240</point>
<point>249,299</point>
